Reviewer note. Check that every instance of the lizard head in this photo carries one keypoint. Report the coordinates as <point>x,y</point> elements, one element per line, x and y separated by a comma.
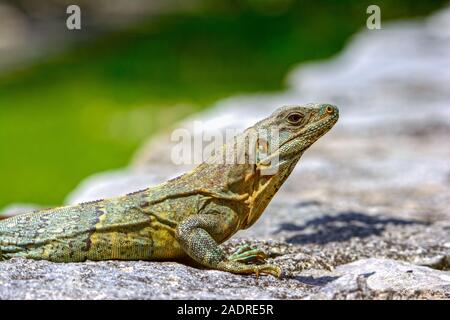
<point>296,129</point>
<point>286,134</point>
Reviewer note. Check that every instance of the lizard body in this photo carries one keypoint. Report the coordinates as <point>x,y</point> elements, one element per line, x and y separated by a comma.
<point>186,217</point>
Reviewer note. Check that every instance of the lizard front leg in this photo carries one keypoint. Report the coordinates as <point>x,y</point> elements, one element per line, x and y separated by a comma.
<point>197,234</point>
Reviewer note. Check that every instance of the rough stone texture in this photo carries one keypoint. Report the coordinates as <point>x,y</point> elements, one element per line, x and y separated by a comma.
<point>371,278</point>
<point>365,214</point>
<point>385,279</point>
<point>22,279</point>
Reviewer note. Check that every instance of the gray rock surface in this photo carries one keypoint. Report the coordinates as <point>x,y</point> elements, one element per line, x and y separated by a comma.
<point>365,214</point>
<point>383,278</point>
<point>20,279</point>
<point>369,278</point>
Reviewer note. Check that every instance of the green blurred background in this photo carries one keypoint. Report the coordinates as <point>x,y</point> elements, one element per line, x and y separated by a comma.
<point>86,105</point>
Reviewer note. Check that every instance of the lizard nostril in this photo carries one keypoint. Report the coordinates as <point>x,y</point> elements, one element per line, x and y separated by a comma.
<point>329,109</point>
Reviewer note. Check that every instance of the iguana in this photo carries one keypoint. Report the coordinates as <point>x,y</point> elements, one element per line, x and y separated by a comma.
<point>183,218</point>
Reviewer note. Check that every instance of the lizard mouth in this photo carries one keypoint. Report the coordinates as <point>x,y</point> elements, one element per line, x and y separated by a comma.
<point>316,129</point>
<point>301,140</point>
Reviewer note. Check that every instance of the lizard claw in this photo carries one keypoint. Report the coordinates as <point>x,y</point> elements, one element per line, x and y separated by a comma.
<point>241,268</point>
<point>268,269</point>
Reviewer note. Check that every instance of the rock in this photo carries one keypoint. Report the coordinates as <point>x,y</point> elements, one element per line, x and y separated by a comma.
<point>385,278</point>
<point>21,279</point>
<point>25,279</point>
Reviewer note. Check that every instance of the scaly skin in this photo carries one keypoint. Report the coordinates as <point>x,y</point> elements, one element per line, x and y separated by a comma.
<point>187,217</point>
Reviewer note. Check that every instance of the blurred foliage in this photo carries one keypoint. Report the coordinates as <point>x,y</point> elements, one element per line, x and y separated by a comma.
<point>88,109</point>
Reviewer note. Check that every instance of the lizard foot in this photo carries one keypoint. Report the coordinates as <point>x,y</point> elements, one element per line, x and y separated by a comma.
<point>248,255</point>
<point>242,268</point>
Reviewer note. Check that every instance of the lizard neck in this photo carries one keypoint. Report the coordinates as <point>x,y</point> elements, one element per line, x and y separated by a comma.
<point>246,179</point>
<point>244,182</point>
<point>262,189</point>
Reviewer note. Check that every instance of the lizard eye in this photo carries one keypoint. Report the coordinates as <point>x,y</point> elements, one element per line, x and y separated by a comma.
<point>295,118</point>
